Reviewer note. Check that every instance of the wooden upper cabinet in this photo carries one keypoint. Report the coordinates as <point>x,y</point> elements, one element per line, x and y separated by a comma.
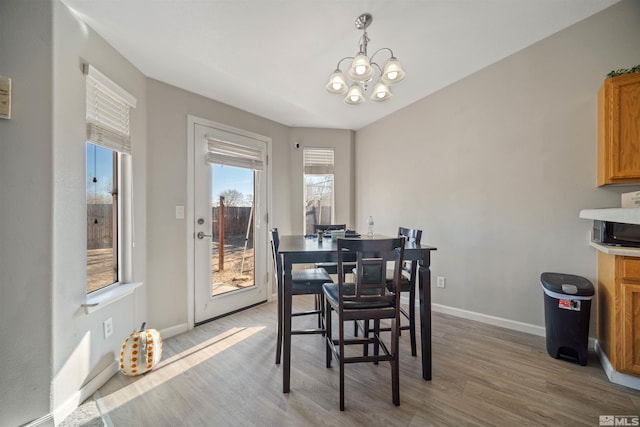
<point>619,130</point>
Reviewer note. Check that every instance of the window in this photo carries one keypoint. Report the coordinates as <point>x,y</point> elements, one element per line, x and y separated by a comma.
<point>318,187</point>
<point>102,217</point>
<point>108,149</point>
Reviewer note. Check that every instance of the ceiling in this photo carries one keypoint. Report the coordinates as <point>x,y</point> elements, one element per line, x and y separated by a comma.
<point>273,57</point>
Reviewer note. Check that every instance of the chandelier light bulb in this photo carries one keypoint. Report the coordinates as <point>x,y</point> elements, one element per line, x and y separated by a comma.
<point>337,83</point>
<point>361,69</point>
<point>381,92</point>
<point>355,96</point>
<point>392,72</point>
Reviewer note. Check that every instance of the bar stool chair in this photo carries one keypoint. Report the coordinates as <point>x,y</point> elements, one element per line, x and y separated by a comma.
<point>330,267</point>
<point>408,284</point>
<point>367,298</point>
<point>303,282</point>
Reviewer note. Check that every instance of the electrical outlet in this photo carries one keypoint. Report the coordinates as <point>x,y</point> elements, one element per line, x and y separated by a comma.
<point>107,327</point>
<point>441,282</point>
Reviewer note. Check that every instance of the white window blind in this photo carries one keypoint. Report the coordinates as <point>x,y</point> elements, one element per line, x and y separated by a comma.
<point>107,112</point>
<point>318,161</point>
<point>230,154</point>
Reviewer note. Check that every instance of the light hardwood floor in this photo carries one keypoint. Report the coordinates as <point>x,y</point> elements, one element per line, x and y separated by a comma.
<point>223,374</point>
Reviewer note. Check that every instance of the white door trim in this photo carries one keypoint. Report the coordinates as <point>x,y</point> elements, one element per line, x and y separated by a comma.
<point>192,121</point>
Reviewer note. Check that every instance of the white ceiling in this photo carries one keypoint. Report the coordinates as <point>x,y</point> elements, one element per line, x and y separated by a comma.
<point>273,57</point>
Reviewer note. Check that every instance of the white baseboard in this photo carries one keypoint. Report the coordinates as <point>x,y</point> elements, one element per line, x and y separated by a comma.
<point>613,375</point>
<point>47,420</point>
<point>492,320</point>
<point>497,321</point>
<point>174,330</point>
<point>64,410</point>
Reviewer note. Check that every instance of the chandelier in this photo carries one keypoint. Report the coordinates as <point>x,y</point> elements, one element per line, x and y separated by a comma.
<point>364,70</point>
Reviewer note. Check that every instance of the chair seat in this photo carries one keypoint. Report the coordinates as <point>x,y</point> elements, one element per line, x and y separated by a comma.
<point>405,283</point>
<point>331,292</point>
<point>309,281</point>
<point>329,267</point>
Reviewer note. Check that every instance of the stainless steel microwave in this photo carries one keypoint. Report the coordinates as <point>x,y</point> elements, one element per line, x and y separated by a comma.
<point>616,233</point>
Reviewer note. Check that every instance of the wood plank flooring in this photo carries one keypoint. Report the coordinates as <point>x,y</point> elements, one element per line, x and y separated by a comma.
<point>223,374</point>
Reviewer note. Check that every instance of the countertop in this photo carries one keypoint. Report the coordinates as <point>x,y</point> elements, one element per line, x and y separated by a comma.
<point>624,215</point>
<point>616,250</point>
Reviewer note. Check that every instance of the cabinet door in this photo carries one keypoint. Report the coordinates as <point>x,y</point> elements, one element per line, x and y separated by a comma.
<point>630,322</point>
<point>619,130</point>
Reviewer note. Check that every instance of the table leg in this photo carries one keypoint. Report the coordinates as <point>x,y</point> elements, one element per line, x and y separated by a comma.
<point>280,285</point>
<point>424,280</point>
<point>286,325</point>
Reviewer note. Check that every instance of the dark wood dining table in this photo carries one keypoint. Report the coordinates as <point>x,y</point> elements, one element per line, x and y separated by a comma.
<point>304,250</point>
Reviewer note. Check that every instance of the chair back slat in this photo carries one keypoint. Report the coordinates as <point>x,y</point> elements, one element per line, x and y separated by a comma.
<point>277,261</point>
<point>411,234</point>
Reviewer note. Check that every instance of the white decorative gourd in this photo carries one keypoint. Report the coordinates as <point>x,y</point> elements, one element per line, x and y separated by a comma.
<point>140,352</point>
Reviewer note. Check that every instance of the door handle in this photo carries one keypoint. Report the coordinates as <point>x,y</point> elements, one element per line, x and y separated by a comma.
<point>201,235</point>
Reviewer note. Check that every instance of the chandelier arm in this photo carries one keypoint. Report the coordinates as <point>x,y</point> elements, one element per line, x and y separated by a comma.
<point>382,48</point>
<point>377,66</point>
<point>340,62</point>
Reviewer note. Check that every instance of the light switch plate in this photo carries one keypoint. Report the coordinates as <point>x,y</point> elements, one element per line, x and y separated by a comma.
<point>5,97</point>
<point>179,212</point>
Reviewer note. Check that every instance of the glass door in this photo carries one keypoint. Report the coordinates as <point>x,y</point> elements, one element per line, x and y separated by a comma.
<point>230,234</point>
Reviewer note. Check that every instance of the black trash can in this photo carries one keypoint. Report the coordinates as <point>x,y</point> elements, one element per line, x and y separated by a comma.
<point>567,308</point>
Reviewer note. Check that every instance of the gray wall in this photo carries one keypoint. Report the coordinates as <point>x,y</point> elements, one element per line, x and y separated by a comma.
<point>343,144</point>
<point>167,176</point>
<point>26,202</point>
<point>496,167</point>
<point>51,347</point>
<point>80,350</point>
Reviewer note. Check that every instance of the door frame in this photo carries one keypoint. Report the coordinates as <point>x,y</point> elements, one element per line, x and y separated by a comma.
<point>192,121</point>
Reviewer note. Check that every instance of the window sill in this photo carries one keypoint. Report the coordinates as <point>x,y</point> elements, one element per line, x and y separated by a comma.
<point>98,300</point>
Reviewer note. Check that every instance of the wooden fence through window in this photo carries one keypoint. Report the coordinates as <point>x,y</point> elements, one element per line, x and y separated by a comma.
<point>236,219</point>
<point>100,227</point>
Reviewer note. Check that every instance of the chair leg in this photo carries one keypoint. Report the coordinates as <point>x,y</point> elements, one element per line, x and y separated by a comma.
<point>395,363</point>
<point>321,320</point>
<point>376,342</point>
<point>365,334</point>
<point>318,307</point>
<point>279,335</point>
<point>328,338</point>
<point>412,321</point>
<point>341,360</point>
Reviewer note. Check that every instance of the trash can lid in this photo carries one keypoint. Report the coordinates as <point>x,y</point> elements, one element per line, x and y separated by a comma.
<point>567,284</point>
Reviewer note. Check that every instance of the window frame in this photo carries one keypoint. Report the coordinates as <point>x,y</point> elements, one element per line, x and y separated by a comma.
<point>108,110</point>
<point>118,217</point>
<point>319,162</point>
